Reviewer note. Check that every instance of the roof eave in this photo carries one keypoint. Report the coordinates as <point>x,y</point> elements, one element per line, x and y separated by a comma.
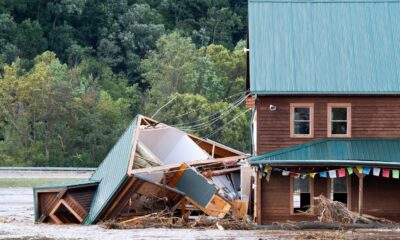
<point>321,163</point>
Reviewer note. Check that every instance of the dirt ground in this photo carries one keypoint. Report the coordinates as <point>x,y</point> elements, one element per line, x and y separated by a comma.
<point>16,222</point>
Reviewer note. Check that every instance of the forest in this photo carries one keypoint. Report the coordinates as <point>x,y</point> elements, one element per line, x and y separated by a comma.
<point>74,73</point>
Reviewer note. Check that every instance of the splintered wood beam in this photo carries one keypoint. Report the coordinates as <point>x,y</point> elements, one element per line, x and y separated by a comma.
<point>224,171</point>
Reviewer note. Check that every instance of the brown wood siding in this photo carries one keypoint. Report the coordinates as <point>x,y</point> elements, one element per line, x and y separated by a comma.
<point>275,200</point>
<point>320,186</point>
<point>381,197</point>
<point>47,201</point>
<point>83,196</point>
<point>372,117</point>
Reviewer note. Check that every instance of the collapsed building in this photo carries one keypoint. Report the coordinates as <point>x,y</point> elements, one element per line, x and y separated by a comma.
<point>152,167</point>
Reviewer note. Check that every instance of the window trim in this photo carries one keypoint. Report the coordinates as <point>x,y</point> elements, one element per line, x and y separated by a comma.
<point>329,121</point>
<point>311,182</point>
<point>301,105</point>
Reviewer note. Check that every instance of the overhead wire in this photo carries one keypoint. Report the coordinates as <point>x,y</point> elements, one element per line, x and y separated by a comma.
<point>216,115</point>
<point>204,125</point>
<point>213,115</point>
<point>203,107</point>
<point>224,125</point>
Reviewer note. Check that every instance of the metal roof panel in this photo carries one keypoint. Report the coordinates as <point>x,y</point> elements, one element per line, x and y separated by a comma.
<point>335,152</point>
<point>328,47</point>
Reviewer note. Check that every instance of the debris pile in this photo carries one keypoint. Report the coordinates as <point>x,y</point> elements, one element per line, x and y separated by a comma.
<point>329,211</point>
<point>164,220</point>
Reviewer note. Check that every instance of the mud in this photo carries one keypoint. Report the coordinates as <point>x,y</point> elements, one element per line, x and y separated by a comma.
<point>16,222</point>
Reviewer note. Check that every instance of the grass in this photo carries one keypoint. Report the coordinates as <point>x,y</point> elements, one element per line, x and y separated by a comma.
<point>34,182</point>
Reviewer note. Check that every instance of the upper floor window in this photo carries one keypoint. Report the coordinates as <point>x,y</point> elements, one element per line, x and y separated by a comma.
<point>339,120</point>
<point>302,120</point>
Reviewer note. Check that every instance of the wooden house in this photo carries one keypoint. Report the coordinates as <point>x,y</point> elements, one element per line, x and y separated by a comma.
<point>324,78</point>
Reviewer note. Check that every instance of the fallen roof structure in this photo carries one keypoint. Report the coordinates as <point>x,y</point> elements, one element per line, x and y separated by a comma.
<point>151,166</point>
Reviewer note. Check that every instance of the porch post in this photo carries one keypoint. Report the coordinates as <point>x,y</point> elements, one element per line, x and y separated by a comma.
<point>360,192</point>
<point>258,197</point>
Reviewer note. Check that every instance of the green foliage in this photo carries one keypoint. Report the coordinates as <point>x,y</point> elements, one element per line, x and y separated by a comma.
<point>29,39</point>
<point>73,73</point>
<point>49,115</point>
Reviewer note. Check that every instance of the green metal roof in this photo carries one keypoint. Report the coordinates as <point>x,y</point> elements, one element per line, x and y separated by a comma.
<point>324,46</point>
<point>68,185</point>
<point>111,173</point>
<point>346,152</point>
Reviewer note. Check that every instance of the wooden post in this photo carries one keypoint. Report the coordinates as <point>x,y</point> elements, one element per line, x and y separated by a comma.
<point>360,192</point>
<point>164,184</point>
<point>258,198</point>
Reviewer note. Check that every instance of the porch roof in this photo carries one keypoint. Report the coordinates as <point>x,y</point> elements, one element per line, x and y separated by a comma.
<point>335,152</point>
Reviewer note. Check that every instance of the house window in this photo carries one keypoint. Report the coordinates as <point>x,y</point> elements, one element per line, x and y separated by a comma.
<point>339,120</point>
<point>301,194</point>
<point>338,189</point>
<point>302,120</point>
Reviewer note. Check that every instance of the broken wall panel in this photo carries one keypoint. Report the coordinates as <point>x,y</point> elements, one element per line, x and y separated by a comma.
<point>171,145</point>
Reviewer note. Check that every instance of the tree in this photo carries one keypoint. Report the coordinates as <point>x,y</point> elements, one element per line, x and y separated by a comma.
<point>55,116</point>
<point>167,68</point>
<point>29,39</point>
<point>230,66</point>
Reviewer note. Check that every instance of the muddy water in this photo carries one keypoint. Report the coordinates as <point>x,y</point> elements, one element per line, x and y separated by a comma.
<point>16,210</point>
<point>16,222</point>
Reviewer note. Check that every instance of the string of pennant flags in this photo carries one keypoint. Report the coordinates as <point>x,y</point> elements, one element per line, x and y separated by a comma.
<point>337,173</point>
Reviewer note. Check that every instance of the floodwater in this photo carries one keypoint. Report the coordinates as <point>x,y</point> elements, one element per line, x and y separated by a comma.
<point>16,222</point>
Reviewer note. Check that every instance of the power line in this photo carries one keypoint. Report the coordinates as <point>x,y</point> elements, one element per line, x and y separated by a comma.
<point>164,106</point>
<point>224,125</point>
<point>201,108</point>
<point>217,114</point>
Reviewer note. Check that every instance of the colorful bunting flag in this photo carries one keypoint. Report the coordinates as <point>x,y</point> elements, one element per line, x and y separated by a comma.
<point>312,175</point>
<point>295,175</point>
<point>303,176</point>
<point>376,171</point>
<point>267,168</point>
<point>332,173</point>
<point>385,173</point>
<point>285,173</point>
<point>395,173</point>
<point>359,169</point>
<point>366,170</point>
<point>342,172</point>
<point>323,174</point>
<point>350,170</point>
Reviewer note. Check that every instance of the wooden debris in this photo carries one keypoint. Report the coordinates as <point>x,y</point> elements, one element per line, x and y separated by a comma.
<point>239,209</point>
<point>329,211</point>
<point>165,220</point>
